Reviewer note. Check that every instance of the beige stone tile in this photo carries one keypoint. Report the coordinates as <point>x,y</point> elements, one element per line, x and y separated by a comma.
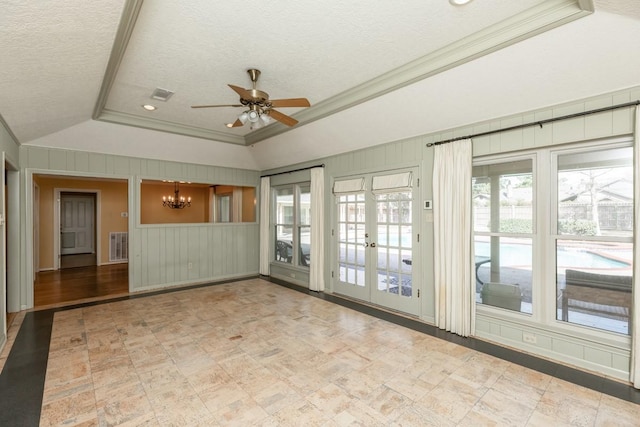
<point>72,410</point>
<point>243,412</point>
<point>252,353</point>
<point>388,402</point>
<point>358,413</point>
<point>306,383</point>
<point>540,419</point>
<point>222,396</point>
<point>479,372</point>
<point>275,396</point>
<point>331,399</point>
<point>452,400</point>
<point>569,403</point>
<point>357,384</point>
<point>126,403</point>
<point>301,414</point>
<point>501,409</point>
<point>180,406</point>
<point>518,391</point>
<point>208,378</point>
<point>420,416</point>
<point>157,381</point>
<point>409,386</point>
<point>617,413</point>
<point>63,390</point>
<point>527,376</point>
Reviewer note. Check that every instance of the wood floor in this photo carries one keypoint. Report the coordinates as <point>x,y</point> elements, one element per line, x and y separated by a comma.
<point>69,285</point>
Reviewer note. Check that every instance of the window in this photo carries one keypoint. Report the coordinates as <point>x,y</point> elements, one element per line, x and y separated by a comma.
<point>581,227</point>
<point>293,224</point>
<point>503,233</point>
<point>593,237</point>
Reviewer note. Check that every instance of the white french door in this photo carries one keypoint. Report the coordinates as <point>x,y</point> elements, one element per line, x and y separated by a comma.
<point>376,235</point>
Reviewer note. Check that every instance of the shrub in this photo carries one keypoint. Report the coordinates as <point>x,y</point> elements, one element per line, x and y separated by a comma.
<point>516,226</point>
<point>578,227</point>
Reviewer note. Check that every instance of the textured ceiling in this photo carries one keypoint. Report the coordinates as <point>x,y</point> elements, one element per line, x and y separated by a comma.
<point>355,61</point>
<point>304,49</point>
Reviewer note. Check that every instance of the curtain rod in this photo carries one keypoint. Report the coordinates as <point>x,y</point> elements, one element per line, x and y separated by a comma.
<point>292,171</point>
<point>538,123</point>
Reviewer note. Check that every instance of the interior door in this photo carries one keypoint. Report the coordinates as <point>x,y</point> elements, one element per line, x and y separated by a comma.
<point>377,240</point>
<point>77,223</point>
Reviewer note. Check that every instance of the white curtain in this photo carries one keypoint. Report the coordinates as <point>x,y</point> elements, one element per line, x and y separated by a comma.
<point>453,258</point>
<point>316,270</point>
<point>265,193</point>
<point>635,312</point>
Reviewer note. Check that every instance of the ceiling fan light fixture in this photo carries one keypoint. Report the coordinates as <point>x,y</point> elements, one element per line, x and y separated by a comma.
<point>266,119</point>
<point>243,117</point>
<point>253,116</point>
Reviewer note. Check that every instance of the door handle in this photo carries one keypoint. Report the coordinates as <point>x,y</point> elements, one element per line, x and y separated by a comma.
<point>373,244</point>
<point>365,244</point>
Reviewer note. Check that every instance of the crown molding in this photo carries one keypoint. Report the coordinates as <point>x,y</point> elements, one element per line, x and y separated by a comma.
<point>543,17</point>
<point>159,125</point>
<point>130,14</point>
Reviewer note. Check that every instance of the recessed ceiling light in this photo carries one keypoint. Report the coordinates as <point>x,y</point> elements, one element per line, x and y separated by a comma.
<point>149,107</point>
<point>229,125</point>
<point>459,2</point>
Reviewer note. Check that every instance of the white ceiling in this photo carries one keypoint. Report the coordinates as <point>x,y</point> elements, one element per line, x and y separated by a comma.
<point>374,71</point>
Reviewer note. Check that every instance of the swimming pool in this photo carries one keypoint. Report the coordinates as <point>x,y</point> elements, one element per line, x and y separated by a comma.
<point>520,254</point>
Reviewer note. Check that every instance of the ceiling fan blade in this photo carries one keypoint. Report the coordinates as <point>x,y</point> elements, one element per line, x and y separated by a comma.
<point>213,106</point>
<point>283,118</point>
<point>244,94</point>
<point>291,102</point>
<point>236,124</point>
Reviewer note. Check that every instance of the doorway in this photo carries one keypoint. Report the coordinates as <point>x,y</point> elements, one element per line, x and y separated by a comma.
<point>377,240</point>
<point>74,219</point>
<point>77,229</point>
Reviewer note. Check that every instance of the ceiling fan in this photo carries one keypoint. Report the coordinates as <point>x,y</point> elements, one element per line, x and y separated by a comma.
<point>260,110</point>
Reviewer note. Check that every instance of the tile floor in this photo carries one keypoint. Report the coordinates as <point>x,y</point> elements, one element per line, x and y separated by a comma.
<point>253,353</point>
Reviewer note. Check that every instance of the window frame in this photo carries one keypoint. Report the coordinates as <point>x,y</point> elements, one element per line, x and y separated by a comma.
<point>553,237</point>
<point>296,225</point>
<point>533,236</point>
<point>543,317</point>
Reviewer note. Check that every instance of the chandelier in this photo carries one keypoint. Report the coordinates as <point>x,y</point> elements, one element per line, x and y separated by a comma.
<point>176,201</point>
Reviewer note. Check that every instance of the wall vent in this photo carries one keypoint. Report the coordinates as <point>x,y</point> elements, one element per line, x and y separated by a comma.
<point>118,246</point>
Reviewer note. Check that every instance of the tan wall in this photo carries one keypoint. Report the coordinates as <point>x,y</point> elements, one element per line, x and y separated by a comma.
<point>248,204</point>
<point>113,201</point>
<point>152,211</point>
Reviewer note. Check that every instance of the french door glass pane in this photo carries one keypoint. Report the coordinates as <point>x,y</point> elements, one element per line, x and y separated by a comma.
<point>394,239</point>
<point>351,238</point>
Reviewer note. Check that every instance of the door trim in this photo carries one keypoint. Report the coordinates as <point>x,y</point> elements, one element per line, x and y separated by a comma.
<point>56,222</point>
<point>369,293</point>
